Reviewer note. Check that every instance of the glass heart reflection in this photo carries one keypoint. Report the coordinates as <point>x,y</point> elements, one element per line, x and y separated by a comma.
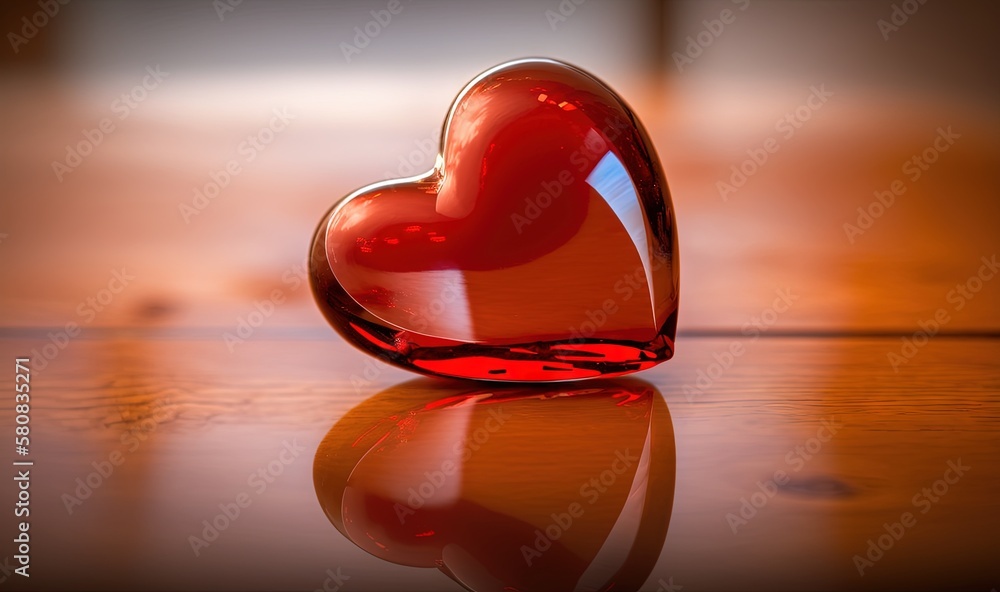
<point>524,488</point>
<point>541,247</point>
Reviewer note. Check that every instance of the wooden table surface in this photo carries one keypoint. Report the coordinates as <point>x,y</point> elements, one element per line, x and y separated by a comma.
<point>151,383</point>
<point>189,422</point>
<point>152,362</point>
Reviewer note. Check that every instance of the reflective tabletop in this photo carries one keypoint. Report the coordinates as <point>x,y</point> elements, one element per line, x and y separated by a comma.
<point>163,461</point>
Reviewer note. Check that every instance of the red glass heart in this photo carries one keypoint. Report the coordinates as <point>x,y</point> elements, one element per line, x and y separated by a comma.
<point>541,247</point>
<point>523,488</point>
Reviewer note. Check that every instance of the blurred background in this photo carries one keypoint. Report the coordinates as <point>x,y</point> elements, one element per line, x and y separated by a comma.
<point>711,80</point>
<point>164,165</point>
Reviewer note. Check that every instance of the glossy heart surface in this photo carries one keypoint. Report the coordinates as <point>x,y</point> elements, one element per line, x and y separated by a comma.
<point>522,488</point>
<point>541,247</point>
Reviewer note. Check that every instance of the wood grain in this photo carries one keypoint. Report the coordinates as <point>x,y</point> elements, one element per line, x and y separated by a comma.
<point>210,418</point>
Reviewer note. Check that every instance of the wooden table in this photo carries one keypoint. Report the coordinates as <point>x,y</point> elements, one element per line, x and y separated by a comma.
<point>189,422</point>
<point>811,426</point>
